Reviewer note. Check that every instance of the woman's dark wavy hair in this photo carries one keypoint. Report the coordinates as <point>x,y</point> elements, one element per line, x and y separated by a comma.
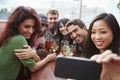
<point>63,21</point>
<point>19,15</point>
<point>90,48</point>
<point>59,35</point>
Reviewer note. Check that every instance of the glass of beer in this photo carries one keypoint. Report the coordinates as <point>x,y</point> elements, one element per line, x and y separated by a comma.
<point>47,45</point>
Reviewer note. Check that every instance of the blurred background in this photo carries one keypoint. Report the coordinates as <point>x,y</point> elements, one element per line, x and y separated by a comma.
<point>83,9</point>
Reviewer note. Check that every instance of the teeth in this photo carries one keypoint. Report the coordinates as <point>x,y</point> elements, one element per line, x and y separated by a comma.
<point>77,38</point>
<point>98,43</point>
<point>27,35</point>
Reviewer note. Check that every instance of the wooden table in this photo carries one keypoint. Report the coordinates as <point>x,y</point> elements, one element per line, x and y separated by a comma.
<point>46,73</point>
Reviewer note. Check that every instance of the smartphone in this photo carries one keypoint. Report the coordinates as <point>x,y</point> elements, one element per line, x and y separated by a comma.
<point>77,68</point>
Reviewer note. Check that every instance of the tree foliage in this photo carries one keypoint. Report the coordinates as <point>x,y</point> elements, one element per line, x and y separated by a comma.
<point>118,5</point>
<point>3,10</point>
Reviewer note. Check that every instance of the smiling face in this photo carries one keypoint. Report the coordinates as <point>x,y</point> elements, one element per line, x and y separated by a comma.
<point>62,29</point>
<point>101,35</point>
<point>26,28</point>
<point>77,34</point>
<point>52,19</point>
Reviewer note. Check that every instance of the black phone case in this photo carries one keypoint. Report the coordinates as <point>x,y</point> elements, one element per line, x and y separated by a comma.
<point>77,68</point>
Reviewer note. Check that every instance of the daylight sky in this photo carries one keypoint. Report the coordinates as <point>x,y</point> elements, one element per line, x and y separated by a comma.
<point>108,5</point>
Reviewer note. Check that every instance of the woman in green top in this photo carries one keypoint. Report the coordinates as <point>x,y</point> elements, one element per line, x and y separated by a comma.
<point>21,28</point>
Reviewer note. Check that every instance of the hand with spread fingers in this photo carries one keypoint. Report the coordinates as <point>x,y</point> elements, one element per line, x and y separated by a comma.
<point>26,52</point>
<point>110,65</point>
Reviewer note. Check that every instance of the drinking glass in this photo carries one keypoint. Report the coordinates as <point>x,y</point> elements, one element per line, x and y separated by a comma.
<point>66,49</point>
<point>47,45</point>
<point>54,46</point>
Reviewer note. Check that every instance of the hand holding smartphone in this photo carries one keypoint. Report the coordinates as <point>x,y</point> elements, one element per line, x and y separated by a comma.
<point>77,68</point>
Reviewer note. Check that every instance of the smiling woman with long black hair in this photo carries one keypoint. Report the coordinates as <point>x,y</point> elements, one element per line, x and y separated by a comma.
<point>102,45</point>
